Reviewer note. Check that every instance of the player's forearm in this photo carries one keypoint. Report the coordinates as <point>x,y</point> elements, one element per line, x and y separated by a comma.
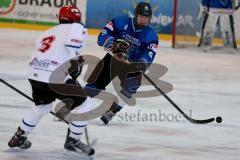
<point>106,34</point>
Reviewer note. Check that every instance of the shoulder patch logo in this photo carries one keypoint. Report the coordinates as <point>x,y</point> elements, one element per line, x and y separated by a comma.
<point>104,31</point>
<point>110,25</point>
<point>125,27</point>
<point>150,55</point>
<point>153,47</point>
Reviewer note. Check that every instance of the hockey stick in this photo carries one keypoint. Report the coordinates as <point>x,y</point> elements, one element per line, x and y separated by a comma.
<point>204,20</point>
<point>175,106</point>
<point>218,119</point>
<point>233,31</point>
<point>29,98</point>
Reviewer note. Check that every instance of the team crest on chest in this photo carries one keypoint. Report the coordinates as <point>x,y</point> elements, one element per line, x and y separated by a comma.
<point>224,2</point>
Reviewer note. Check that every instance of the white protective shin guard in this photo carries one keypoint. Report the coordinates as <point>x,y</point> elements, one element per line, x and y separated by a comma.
<point>209,29</point>
<point>30,120</point>
<point>227,31</point>
<point>77,127</point>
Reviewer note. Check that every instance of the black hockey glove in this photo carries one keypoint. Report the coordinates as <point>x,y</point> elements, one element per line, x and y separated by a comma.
<point>120,48</point>
<point>76,67</point>
<point>121,45</point>
<point>116,46</point>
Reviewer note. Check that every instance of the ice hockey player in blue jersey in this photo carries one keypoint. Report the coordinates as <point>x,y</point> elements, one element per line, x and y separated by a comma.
<point>215,11</point>
<point>128,39</point>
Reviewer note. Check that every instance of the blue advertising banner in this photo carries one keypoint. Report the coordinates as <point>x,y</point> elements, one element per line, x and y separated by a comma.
<point>188,19</point>
<point>99,12</point>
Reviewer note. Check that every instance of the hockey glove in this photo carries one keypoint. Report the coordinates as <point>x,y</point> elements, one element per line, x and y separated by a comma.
<point>109,44</point>
<point>120,48</point>
<point>121,56</point>
<point>121,45</point>
<point>76,67</point>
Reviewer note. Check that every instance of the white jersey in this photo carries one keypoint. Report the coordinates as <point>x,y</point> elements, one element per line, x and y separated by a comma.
<point>54,47</point>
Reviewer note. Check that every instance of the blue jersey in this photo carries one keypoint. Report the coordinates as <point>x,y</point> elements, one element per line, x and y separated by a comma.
<point>220,4</point>
<point>144,41</point>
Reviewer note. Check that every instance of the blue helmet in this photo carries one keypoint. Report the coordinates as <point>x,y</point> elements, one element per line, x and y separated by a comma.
<point>144,9</point>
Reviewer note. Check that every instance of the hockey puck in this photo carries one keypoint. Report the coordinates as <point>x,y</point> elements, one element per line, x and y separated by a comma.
<point>219,119</point>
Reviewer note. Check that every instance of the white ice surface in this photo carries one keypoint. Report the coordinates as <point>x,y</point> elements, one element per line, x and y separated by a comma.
<point>208,84</point>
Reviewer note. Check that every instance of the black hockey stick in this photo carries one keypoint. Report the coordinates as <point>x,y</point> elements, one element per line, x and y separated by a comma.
<point>218,119</point>
<point>233,31</point>
<point>29,98</point>
<point>176,106</point>
<point>205,18</point>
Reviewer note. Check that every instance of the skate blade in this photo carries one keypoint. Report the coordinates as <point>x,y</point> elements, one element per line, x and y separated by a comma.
<point>14,150</point>
<point>101,123</point>
<point>78,154</point>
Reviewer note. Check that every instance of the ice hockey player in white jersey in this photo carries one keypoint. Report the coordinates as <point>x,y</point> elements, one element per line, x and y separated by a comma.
<point>218,11</point>
<point>54,47</point>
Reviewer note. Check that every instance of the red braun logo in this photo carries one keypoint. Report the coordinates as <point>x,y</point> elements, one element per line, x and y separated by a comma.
<point>7,6</point>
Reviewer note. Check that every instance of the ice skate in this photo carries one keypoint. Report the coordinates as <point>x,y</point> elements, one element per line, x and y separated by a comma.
<point>107,117</point>
<point>74,145</point>
<point>20,140</point>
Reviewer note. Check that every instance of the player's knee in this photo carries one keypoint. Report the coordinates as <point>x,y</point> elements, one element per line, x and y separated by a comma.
<point>84,107</point>
<point>128,92</point>
<point>41,110</point>
<point>131,84</point>
<point>78,101</point>
<point>129,89</point>
<point>93,90</point>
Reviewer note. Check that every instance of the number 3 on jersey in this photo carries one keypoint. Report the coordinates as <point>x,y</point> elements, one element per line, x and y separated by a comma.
<point>46,43</point>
